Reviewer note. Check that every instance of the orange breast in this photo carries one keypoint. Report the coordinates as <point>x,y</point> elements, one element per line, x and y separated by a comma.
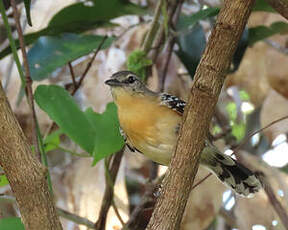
<point>149,127</point>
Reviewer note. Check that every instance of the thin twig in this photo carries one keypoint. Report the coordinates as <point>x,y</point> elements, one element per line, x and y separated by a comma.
<point>72,74</point>
<point>28,80</point>
<point>78,85</point>
<point>153,29</point>
<point>114,206</point>
<point>201,180</point>
<point>109,190</point>
<point>89,66</point>
<point>170,46</point>
<point>245,140</point>
<point>172,19</point>
<point>280,210</point>
<point>75,218</point>
<point>147,199</point>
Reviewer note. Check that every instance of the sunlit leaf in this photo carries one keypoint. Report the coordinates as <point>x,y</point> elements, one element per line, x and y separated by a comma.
<point>52,141</point>
<point>3,180</point>
<point>137,62</point>
<point>62,109</point>
<point>11,223</point>
<point>96,133</point>
<point>108,140</point>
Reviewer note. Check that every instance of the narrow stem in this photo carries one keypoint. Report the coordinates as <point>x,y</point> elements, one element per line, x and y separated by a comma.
<point>72,74</point>
<point>153,29</point>
<point>28,80</point>
<point>12,43</point>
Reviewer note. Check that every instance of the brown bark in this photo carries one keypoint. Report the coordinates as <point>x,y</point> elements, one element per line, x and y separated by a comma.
<point>209,79</point>
<point>27,177</point>
<point>281,6</point>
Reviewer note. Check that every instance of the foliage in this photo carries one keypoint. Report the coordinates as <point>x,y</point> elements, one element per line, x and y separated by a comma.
<point>137,63</point>
<point>259,33</point>
<point>27,4</point>
<point>51,52</point>
<point>80,17</point>
<point>68,37</point>
<point>98,134</point>
<point>11,223</point>
<point>3,180</point>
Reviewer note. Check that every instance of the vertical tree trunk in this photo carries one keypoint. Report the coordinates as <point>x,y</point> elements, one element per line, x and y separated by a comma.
<point>27,177</point>
<point>207,85</point>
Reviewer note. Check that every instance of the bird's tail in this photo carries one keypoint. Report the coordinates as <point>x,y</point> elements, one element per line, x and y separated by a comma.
<point>229,171</point>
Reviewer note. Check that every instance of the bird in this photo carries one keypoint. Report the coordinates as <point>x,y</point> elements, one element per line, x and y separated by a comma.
<point>150,124</point>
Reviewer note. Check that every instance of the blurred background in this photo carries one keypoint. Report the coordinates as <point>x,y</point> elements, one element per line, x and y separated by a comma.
<point>61,44</point>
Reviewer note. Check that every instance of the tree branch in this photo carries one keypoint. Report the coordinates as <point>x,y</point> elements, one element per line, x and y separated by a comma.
<point>75,218</point>
<point>278,207</point>
<point>88,66</point>
<point>209,79</point>
<point>26,175</point>
<point>281,6</point>
<point>28,80</point>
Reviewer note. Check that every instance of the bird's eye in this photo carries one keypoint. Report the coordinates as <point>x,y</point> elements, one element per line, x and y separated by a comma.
<point>131,79</point>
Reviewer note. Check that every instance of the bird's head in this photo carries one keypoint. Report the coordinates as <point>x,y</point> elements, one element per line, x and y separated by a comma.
<point>127,82</point>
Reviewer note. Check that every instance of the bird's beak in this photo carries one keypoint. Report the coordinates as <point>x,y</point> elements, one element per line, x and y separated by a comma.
<point>113,82</point>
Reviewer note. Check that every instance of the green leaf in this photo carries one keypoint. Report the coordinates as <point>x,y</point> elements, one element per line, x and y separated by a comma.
<point>80,17</point>
<point>232,110</point>
<point>52,141</point>
<point>3,181</point>
<point>91,12</point>
<point>238,130</point>
<point>62,109</point>
<point>259,33</point>
<point>189,21</point>
<point>50,53</point>
<point>109,140</point>
<point>262,5</point>
<point>27,9</point>
<point>240,51</point>
<point>191,46</point>
<point>11,223</point>
<point>98,134</point>
<point>244,96</point>
<point>137,62</point>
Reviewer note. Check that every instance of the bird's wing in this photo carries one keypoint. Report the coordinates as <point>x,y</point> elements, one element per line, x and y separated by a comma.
<point>172,102</point>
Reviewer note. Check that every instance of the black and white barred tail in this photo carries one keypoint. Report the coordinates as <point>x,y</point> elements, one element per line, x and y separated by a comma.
<point>230,172</point>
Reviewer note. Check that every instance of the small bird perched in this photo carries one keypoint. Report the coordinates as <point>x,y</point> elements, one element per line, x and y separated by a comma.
<point>150,124</point>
